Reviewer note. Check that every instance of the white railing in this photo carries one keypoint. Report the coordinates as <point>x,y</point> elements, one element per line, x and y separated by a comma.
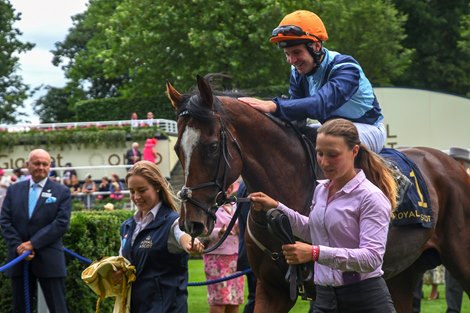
<point>169,126</point>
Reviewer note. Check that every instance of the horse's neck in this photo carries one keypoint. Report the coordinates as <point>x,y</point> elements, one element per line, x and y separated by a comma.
<point>274,160</point>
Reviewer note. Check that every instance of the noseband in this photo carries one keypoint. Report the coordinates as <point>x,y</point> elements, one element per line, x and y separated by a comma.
<point>220,179</point>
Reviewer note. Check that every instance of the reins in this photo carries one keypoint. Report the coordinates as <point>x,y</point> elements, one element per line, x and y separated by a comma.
<point>233,220</point>
<point>185,194</point>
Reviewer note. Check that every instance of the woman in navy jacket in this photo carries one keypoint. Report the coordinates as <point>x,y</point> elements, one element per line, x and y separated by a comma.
<point>152,241</point>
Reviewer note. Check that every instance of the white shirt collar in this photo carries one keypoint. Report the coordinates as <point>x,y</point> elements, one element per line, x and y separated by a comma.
<point>139,218</point>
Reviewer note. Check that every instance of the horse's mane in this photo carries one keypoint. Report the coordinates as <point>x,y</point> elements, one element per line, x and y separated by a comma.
<point>192,102</point>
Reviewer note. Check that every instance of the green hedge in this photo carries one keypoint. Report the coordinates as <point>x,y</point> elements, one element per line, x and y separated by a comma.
<point>92,234</point>
<point>121,108</point>
<point>109,109</point>
<point>92,136</point>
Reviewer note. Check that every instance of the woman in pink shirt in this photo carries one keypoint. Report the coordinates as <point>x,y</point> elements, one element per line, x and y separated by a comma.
<point>347,225</point>
<point>224,297</point>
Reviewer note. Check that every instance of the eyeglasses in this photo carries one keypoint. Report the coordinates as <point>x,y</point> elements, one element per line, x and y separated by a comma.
<point>288,30</point>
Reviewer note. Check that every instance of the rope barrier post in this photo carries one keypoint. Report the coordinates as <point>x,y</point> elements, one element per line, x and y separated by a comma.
<point>42,305</point>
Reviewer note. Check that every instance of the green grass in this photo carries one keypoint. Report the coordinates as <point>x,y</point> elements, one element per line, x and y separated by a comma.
<point>198,295</point>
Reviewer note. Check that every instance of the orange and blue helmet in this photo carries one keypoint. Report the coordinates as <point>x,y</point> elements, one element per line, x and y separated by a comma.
<point>299,27</point>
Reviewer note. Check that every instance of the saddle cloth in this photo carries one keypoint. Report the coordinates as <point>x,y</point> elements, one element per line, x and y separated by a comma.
<point>99,277</point>
<point>415,209</point>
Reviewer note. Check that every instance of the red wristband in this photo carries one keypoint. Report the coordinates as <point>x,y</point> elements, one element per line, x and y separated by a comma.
<point>315,253</point>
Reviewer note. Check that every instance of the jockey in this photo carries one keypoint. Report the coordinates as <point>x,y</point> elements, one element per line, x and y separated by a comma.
<point>324,84</point>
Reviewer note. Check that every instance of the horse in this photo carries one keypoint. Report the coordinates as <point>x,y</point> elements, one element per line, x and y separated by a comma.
<point>221,138</point>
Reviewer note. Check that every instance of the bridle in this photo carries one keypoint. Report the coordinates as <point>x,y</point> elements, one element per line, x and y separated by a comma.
<point>220,179</point>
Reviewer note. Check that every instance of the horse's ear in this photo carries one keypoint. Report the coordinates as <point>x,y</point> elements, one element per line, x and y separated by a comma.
<point>174,96</point>
<point>205,91</point>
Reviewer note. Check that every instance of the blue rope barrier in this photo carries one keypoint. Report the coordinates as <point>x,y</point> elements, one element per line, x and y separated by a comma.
<point>12,263</point>
<point>88,261</point>
<point>27,298</point>
<point>219,280</point>
<point>78,256</point>
<point>15,261</point>
<point>209,282</point>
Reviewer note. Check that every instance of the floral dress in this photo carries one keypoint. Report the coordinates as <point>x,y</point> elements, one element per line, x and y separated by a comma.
<point>222,262</point>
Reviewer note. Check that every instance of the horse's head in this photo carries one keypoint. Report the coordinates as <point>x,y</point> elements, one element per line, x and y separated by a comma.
<point>209,154</point>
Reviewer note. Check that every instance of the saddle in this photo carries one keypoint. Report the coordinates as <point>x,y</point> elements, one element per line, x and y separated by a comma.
<point>297,275</point>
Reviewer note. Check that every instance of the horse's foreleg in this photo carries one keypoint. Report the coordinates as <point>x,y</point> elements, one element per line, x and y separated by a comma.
<point>272,299</point>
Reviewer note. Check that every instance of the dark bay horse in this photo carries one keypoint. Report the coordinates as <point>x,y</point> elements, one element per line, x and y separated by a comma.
<point>220,138</point>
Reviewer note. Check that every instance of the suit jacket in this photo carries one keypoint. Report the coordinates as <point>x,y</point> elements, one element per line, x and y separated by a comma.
<point>130,154</point>
<point>45,228</point>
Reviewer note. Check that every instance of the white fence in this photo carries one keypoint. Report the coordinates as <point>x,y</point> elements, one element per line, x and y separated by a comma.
<point>168,126</point>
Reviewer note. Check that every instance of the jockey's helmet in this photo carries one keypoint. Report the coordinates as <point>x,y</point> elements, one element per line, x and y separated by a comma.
<point>297,28</point>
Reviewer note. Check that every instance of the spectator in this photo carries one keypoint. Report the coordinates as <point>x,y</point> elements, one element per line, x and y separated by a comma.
<point>88,188</point>
<point>53,172</point>
<point>417,296</point>
<point>134,120</point>
<point>74,185</point>
<point>67,176</point>
<point>104,186</point>
<point>133,155</point>
<point>224,297</point>
<point>454,293</point>
<point>34,218</point>
<point>152,241</point>
<point>434,278</point>
<point>20,176</point>
<point>5,182</point>
<point>116,187</point>
<point>150,118</point>
<point>454,290</point>
<point>150,151</point>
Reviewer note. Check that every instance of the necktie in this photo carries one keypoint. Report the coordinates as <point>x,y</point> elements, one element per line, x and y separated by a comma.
<point>33,198</point>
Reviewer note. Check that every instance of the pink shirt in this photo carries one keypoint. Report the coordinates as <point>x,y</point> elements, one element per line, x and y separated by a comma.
<point>230,245</point>
<point>351,230</point>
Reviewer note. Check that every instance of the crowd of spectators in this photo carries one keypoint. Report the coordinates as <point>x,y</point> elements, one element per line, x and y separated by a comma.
<point>86,190</point>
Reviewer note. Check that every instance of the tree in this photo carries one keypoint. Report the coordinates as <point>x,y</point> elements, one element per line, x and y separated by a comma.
<point>73,54</point>
<point>12,89</point>
<point>372,32</point>
<point>438,31</point>
<point>55,106</point>
<point>464,46</point>
<point>147,42</point>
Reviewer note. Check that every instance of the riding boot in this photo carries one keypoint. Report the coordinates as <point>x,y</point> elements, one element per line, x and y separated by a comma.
<point>403,182</point>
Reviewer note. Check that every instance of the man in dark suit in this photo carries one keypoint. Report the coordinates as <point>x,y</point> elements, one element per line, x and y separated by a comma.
<point>35,216</point>
<point>133,155</point>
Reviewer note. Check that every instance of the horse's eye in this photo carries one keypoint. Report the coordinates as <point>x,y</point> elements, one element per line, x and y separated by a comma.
<point>213,147</point>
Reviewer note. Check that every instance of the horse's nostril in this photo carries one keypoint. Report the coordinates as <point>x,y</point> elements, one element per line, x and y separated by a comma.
<point>194,228</point>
